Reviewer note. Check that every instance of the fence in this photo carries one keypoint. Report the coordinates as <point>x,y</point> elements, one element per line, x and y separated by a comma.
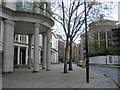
<point>105,60</point>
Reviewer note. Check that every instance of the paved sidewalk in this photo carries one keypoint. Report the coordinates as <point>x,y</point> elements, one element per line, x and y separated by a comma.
<point>24,78</point>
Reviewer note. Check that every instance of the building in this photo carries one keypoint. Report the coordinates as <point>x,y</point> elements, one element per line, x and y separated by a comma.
<point>116,40</point>
<point>116,35</point>
<point>54,51</point>
<point>61,48</point>
<point>100,37</point>
<point>75,52</point>
<point>100,31</point>
<point>82,46</point>
<point>25,35</point>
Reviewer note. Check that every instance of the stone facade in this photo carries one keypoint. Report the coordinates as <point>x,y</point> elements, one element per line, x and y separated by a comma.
<point>76,52</point>
<point>29,26</point>
<point>99,35</point>
<point>54,50</point>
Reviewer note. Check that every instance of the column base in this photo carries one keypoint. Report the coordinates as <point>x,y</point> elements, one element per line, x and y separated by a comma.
<point>35,71</point>
<point>7,72</point>
<point>47,69</point>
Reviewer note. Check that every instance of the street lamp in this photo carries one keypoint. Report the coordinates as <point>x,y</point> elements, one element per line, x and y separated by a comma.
<point>86,42</point>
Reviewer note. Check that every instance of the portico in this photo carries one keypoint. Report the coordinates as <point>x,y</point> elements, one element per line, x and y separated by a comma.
<point>31,24</point>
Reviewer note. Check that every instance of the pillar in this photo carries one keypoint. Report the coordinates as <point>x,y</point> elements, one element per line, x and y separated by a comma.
<point>39,56</point>
<point>18,56</point>
<point>106,38</point>
<point>26,61</point>
<point>36,48</point>
<point>29,51</point>
<point>48,59</point>
<point>8,47</point>
<point>44,44</point>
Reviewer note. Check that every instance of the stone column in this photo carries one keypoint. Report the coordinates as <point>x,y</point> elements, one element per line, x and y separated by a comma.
<point>44,44</point>
<point>8,55</point>
<point>26,61</point>
<point>29,51</point>
<point>18,56</point>
<point>106,38</point>
<point>36,48</point>
<point>99,39</point>
<point>48,59</point>
<point>39,56</point>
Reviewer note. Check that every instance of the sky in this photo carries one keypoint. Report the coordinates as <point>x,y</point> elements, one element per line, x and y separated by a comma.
<point>112,16</point>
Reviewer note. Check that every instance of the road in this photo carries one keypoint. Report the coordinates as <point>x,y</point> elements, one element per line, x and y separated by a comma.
<point>113,73</point>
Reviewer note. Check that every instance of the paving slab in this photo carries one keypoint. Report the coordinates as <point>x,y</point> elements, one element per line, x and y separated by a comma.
<point>55,78</point>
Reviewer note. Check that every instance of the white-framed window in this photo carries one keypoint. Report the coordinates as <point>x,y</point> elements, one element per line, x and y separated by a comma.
<point>23,38</point>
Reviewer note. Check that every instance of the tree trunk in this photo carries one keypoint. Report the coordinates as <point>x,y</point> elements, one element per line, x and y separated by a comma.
<point>66,54</point>
<point>70,62</point>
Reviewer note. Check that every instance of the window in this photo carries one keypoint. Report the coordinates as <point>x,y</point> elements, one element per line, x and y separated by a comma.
<point>16,38</point>
<point>96,36</point>
<point>24,6</point>
<point>109,43</point>
<point>19,6</point>
<point>109,34</point>
<point>102,35</point>
<point>102,43</point>
<point>3,2</point>
<point>23,39</point>
<point>42,7</point>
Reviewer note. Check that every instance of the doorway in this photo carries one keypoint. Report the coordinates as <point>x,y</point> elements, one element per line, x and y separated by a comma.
<point>22,55</point>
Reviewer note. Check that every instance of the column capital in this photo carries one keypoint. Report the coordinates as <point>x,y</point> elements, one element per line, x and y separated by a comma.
<point>10,22</point>
<point>37,24</point>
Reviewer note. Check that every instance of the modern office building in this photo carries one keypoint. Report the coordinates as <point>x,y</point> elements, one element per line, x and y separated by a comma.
<point>25,35</point>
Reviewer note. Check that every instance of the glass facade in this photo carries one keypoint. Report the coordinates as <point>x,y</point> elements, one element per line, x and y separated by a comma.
<point>24,6</point>
<point>28,5</point>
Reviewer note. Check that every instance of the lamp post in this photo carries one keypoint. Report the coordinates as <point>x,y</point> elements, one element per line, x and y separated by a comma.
<point>86,42</point>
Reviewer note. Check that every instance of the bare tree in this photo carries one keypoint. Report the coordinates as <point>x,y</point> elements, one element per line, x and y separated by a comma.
<point>70,14</point>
